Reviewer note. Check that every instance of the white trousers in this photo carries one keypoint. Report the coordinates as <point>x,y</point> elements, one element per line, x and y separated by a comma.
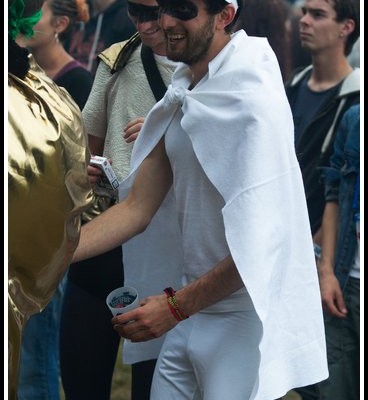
<point>210,356</point>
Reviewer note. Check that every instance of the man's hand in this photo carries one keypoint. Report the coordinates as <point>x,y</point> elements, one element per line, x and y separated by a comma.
<point>331,294</point>
<point>154,318</point>
<point>149,321</point>
<point>132,130</point>
<point>94,174</point>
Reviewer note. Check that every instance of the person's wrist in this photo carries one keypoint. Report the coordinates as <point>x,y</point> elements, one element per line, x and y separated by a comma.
<point>325,269</point>
<point>173,305</point>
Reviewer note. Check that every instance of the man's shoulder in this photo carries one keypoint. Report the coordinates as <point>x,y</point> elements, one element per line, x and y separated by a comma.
<point>298,75</point>
<point>117,55</point>
<point>351,83</point>
<point>109,55</point>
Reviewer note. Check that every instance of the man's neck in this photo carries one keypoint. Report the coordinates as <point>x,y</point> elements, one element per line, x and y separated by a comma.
<point>327,73</point>
<point>200,69</point>
<point>159,50</point>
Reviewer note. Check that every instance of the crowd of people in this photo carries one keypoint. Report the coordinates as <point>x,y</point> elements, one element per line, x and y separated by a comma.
<point>233,127</point>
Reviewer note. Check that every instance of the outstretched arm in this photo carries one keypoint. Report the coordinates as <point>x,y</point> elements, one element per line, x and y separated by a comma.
<point>130,217</point>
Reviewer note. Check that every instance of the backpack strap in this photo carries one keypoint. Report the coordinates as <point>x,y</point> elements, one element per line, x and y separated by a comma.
<point>126,52</point>
<point>154,78</point>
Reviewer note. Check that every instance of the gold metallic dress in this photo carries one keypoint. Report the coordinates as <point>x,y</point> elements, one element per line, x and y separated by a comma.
<point>48,191</point>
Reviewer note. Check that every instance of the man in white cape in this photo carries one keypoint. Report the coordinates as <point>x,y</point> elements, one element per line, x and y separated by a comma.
<point>247,324</point>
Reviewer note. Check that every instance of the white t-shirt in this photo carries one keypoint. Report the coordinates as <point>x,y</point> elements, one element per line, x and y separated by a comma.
<point>199,206</point>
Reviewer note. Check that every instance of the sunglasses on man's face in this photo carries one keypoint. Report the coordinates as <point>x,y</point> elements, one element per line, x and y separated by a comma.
<point>143,13</point>
<point>180,9</point>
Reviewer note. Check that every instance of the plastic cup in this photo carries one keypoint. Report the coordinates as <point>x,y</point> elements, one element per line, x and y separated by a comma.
<point>122,300</point>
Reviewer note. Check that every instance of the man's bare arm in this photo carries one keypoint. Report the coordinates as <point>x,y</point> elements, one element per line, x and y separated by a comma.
<point>154,318</point>
<point>130,217</point>
<point>96,145</point>
<point>218,283</point>
<point>331,292</point>
<point>328,238</point>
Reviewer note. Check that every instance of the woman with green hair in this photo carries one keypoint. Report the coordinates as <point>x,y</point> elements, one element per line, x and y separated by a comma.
<point>48,185</point>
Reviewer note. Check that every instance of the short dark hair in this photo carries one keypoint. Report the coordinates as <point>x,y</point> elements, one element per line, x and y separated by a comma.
<point>216,6</point>
<point>30,6</point>
<point>76,11</point>
<point>348,9</point>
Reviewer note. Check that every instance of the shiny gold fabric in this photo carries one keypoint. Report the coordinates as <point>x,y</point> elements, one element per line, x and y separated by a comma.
<point>99,204</point>
<point>48,191</point>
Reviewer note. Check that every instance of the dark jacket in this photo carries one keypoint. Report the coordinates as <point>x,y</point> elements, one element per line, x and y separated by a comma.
<point>342,186</point>
<point>315,144</point>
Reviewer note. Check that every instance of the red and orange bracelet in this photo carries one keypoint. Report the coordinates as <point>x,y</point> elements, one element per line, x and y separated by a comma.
<point>173,305</point>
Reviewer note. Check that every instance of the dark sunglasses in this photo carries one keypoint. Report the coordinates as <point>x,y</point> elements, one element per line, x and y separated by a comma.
<point>143,13</point>
<point>180,9</point>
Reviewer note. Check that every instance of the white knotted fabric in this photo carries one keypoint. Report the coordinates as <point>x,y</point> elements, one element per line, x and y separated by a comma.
<point>174,96</point>
<point>240,125</point>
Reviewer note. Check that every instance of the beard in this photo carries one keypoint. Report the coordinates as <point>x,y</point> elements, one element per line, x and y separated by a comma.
<point>197,45</point>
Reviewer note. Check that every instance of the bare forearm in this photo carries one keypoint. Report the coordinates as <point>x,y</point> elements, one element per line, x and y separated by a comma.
<point>328,237</point>
<point>96,145</point>
<point>218,283</point>
<point>153,318</point>
<point>331,293</point>
<point>107,231</point>
<point>130,217</point>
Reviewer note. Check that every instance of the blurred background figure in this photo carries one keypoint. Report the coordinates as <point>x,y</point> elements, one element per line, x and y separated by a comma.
<point>300,58</point>
<point>278,21</point>
<point>339,266</point>
<point>319,95</point>
<point>109,24</point>
<point>47,46</point>
<point>48,186</point>
<point>269,18</point>
<point>39,367</point>
<point>322,92</point>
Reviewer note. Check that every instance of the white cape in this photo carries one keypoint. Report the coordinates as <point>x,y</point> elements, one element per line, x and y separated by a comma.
<point>238,117</point>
